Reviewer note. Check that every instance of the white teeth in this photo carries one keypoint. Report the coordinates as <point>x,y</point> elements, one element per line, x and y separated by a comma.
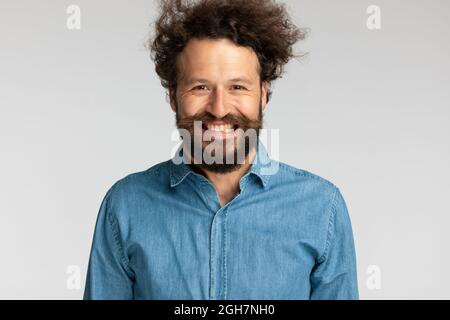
<point>226,128</point>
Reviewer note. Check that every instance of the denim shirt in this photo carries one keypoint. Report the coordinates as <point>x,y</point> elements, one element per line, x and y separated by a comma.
<point>162,234</point>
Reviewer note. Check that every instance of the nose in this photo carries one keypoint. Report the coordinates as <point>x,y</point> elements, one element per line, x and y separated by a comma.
<point>217,105</point>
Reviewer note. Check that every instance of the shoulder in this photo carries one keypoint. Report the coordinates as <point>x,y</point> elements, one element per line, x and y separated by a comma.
<point>323,194</point>
<point>135,183</point>
<point>307,187</point>
<point>290,174</point>
<point>322,200</point>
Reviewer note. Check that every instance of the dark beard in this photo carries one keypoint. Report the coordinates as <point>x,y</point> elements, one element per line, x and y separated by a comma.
<point>247,144</point>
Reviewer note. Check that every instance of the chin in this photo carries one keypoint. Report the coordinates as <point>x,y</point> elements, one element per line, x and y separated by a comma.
<point>220,168</point>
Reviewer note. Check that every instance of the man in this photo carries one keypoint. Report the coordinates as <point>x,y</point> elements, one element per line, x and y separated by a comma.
<point>221,220</point>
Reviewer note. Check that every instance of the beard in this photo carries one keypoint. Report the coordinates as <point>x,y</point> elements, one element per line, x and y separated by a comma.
<point>230,153</point>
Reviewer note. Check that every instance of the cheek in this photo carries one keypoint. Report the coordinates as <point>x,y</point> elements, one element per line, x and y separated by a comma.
<point>248,107</point>
<point>190,106</point>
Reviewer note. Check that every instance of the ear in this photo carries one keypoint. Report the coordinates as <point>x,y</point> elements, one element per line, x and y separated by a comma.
<point>264,92</point>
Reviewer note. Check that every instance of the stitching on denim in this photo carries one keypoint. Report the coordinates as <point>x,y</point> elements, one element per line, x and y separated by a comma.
<point>212,261</point>
<point>244,185</point>
<point>330,233</point>
<point>120,250</point>
<point>180,180</point>
<point>205,198</point>
<point>305,173</point>
<point>225,253</point>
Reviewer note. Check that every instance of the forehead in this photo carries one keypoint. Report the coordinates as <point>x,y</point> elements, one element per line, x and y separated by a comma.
<point>217,58</point>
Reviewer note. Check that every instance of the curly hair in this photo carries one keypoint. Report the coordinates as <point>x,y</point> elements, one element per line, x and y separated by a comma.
<point>262,25</point>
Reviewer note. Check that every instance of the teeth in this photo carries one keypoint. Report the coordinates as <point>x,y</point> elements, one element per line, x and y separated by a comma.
<point>227,127</point>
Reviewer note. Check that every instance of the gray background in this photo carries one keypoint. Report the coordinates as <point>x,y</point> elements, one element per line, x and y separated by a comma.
<point>367,110</point>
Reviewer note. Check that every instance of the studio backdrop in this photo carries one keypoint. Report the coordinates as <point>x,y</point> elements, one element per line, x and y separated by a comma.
<point>368,108</point>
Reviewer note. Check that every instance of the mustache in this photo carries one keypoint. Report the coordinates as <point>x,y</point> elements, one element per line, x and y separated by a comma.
<point>239,121</point>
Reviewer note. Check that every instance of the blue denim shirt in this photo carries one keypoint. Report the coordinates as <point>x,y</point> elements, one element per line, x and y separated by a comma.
<point>162,234</point>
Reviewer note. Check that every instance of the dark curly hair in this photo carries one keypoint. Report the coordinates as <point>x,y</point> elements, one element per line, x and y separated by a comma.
<point>262,25</point>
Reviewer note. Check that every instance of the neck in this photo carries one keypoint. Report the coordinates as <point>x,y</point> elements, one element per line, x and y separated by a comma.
<point>227,185</point>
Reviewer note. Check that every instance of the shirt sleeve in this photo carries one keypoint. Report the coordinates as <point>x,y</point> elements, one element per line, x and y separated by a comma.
<point>109,276</point>
<point>334,277</point>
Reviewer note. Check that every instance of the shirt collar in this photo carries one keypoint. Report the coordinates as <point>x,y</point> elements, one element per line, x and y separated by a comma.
<point>180,170</point>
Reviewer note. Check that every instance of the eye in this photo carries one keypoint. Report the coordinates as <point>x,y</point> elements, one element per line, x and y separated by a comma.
<point>199,88</point>
<point>238,87</point>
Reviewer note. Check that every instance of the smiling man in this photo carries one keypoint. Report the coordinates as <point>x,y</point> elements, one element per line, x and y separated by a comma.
<point>213,222</point>
<point>220,88</point>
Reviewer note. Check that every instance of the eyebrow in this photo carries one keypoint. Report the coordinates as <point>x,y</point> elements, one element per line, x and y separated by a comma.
<point>239,79</point>
<point>243,80</point>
